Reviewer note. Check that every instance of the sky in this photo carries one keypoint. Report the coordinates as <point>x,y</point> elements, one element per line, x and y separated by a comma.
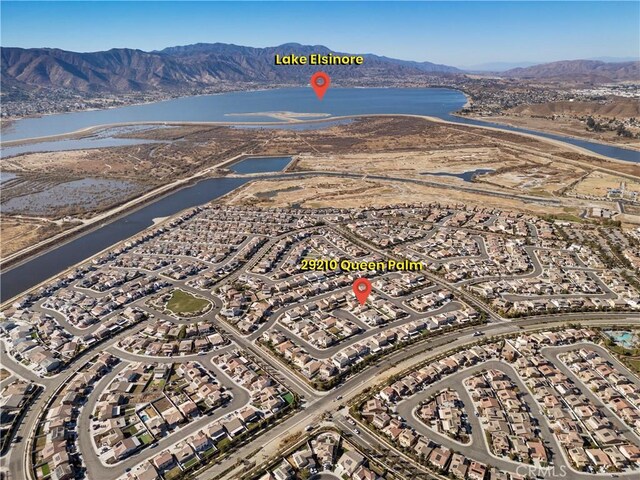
<point>453,33</point>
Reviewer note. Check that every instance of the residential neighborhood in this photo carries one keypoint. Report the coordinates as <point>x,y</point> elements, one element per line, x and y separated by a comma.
<point>203,340</point>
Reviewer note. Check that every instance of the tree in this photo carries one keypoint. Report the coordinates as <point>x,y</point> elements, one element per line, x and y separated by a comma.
<point>304,474</point>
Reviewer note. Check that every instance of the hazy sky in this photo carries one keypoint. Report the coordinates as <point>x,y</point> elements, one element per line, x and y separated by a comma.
<point>454,33</point>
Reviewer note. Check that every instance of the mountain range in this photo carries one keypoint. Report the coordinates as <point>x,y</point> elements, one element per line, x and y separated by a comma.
<point>124,70</point>
<point>199,65</point>
<point>591,70</point>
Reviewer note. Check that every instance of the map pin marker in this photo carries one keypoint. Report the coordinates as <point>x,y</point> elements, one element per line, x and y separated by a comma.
<point>320,81</point>
<point>362,289</point>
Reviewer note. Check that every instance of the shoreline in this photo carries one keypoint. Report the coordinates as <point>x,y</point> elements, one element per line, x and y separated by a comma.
<point>126,207</point>
<point>496,128</point>
<point>550,132</point>
<point>297,121</point>
<point>109,216</point>
<point>281,118</point>
<point>136,104</point>
<point>119,210</point>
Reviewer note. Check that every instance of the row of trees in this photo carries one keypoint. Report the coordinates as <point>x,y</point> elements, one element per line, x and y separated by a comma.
<point>620,129</point>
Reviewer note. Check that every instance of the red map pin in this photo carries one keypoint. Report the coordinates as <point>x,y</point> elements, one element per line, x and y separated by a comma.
<point>320,81</point>
<point>362,289</point>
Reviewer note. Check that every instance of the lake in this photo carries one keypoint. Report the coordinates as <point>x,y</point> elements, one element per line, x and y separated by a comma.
<point>229,107</point>
<point>242,107</point>
<point>105,138</point>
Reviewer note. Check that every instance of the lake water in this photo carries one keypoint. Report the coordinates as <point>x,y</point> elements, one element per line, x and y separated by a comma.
<point>229,107</point>
<point>236,107</point>
<point>32,272</point>
<point>260,164</point>
<point>71,144</point>
<point>624,154</point>
<point>100,139</point>
<point>6,176</point>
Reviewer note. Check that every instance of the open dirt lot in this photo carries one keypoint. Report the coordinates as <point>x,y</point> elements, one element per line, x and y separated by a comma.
<point>512,170</point>
<point>564,126</point>
<point>323,192</point>
<point>20,233</point>
<point>188,149</point>
<point>598,183</point>
<point>399,147</point>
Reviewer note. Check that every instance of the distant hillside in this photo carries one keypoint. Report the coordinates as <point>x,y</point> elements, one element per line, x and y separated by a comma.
<point>497,66</point>
<point>200,65</point>
<point>618,108</point>
<point>589,70</point>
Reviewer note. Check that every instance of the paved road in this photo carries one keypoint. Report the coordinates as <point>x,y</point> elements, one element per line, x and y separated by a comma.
<point>445,186</point>
<point>457,291</point>
<point>96,469</point>
<point>478,449</point>
<point>325,353</point>
<point>268,444</point>
<point>16,458</point>
<point>552,355</point>
<point>397,461</point>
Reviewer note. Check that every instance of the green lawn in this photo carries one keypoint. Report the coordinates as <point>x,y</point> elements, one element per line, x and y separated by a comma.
<point>634,365</point>
<point>145,438</point>
<point>183,302</point>
<point>564,217</point>
<point>288,397</point>
<point>222,444</point>
<point>45,469</point>
<point>131,430</point>
<point>173,473</point>
<point>209,452</point>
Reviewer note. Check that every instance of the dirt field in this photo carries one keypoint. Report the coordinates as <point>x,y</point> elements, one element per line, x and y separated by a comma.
<point>514,170</point>
<point>411,164</point>
<point>321,192</point>
<point>598,183</point>
<point>192,148</point>
<point>17,234</point>
<point>405,147</point>
<point>564,126</point>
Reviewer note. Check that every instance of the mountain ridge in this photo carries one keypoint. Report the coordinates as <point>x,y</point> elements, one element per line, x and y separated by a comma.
<point>203,65</point>
<point>578,69</point>
<point>198,65</point>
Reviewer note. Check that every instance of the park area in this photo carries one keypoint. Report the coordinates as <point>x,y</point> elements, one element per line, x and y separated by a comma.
<point>184,303</point>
